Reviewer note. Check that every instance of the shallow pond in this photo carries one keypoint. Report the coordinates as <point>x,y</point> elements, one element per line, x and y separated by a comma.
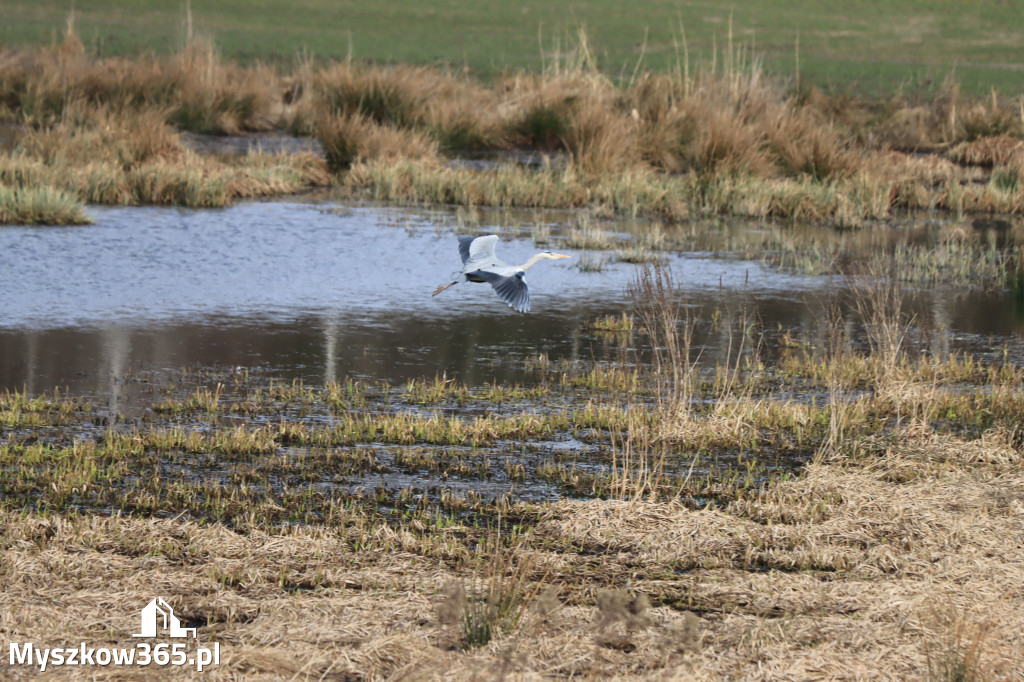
<point>322,291</point>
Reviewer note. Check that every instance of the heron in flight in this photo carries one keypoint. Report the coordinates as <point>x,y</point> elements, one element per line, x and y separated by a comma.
<point>479,264</point>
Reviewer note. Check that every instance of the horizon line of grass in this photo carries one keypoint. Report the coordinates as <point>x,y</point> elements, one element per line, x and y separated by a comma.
<point>913,48</point>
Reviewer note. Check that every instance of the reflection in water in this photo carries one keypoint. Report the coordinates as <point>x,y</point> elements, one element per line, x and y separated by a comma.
<point>322,292</point>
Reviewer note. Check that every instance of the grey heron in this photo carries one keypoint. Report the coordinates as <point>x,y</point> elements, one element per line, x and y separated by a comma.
<point>479,264</point>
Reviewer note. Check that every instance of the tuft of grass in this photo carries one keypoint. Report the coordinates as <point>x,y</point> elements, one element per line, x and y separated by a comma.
<point>959,653</point>
<point>599,137</point>
<point>492,607</point>
<point>638,254</point>
<point>214,96</point>
<point>620,607</point>
<point>349,138</point>
<point>40,205</point>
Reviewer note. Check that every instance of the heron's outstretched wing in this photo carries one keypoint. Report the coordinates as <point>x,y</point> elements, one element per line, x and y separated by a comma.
<point>464,243</point>
<point>511,289</point>
<point>473,248</point>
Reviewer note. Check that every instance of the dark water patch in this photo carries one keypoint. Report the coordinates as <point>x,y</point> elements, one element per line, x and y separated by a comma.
<point>494,160</point>
<point>10,133</point>
<point>268,143</point>
<point>282,143</point>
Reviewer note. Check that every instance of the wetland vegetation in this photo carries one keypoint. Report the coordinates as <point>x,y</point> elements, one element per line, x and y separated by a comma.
<point>636,514</point>
<point>841,503</point>
<point>723,138</point>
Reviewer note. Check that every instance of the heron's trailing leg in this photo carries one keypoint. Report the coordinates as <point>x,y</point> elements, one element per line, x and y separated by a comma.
<point>443,287</point>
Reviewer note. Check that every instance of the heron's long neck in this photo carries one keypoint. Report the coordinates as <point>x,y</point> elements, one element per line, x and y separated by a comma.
<point>536,257</point>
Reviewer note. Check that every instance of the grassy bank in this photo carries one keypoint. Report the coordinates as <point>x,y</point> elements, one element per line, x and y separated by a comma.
<point>718,140</point>
<point>682,545</point>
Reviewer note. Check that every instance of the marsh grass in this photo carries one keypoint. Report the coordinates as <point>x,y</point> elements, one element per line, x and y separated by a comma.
<point>715,139</point>
<point>111,157</point>
<point>40,205</point>
<point>744,566</point>
<point>665,318</point>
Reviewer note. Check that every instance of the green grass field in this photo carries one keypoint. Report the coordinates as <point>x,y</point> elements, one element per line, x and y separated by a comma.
<point>870,46</point>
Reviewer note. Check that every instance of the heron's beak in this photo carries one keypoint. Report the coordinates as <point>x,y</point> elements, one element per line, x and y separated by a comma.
<point>559,255</point>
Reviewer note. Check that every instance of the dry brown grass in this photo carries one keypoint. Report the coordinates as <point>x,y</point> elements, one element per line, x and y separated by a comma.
<point>197,89</point>
<point>986,151</point>
<point>837,575</point>
<point>353,138</point>
<point>712,140</point>
<point>115,156</point>
<point>902,560</point>
<point>453,111</point>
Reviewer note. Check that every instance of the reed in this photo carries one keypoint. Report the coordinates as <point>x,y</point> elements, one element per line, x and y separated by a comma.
<point>664,317</point>
<point>879,301</point>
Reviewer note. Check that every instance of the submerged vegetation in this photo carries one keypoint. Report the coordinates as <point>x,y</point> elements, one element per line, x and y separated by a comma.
<point>721,139</point>
<point>644,516</point>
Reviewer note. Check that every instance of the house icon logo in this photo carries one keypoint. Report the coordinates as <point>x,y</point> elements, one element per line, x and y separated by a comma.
<point>158,615</point>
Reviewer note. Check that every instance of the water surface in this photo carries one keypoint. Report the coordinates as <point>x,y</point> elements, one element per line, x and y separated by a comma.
<point>322,291</point>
